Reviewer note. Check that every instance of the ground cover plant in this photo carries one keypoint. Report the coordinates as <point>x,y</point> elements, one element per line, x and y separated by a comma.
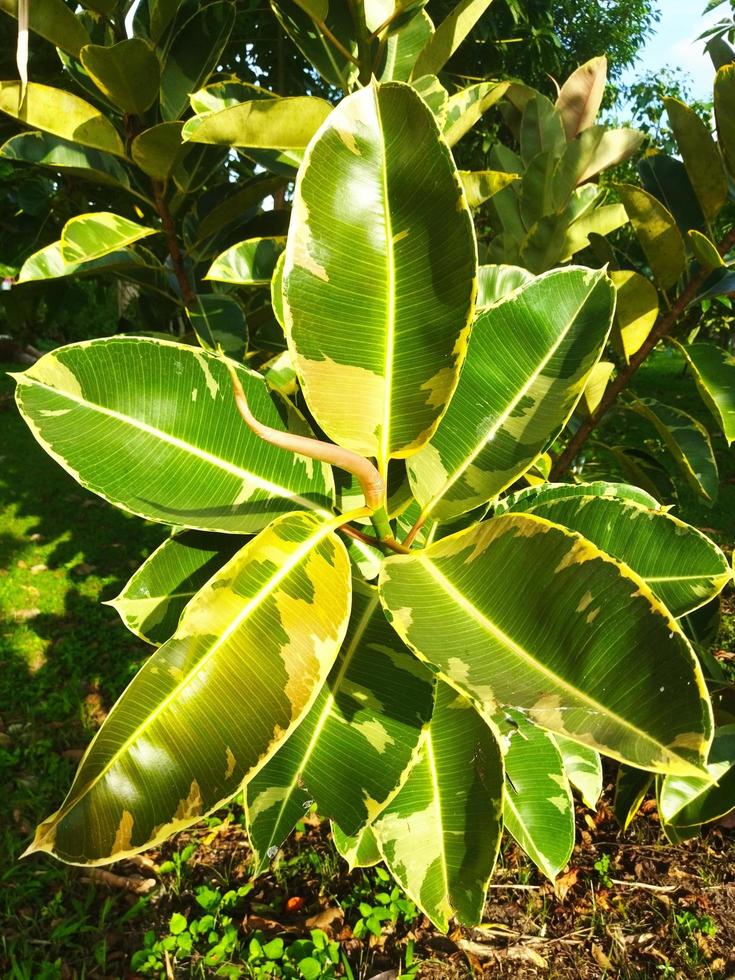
<point>341,615</point>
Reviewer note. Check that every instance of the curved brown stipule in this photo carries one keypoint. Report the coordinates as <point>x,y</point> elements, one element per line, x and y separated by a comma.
<point>368,476</point>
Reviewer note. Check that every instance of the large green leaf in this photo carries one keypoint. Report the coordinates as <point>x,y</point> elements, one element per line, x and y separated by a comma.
<point>725,114</point>
<point>496,281</point>
<point>657,232</point>
<point>538,809</point>
<point>163,437</point>
<point>467,106</point>
<point>580,97</point>
<point>53,20</point>
<point>667,180</point>
<point>448,36</point>
<point>517,611</point>
<point>277,124</point>
<point>678,563</point>
<point>193,54</point>
<point>158,150</point>
<point>594,150</point>
<point>525,498</point>
<point>377,374</point>
<point>49,263</point>
<point>226,93</point>
<point>351,752</point>
<point>59,112</point>
<point>210,707</point>
<point>636,311</point>
<point>631,787</point>
<point>541,130</point>
<point>91,236</point>
<point>360,851</point>
<point>598,221</point>
<point>688,442</point>
<point>152,601</point>
<point>528,362</point>
<point>440,835</point>
<point>249,263</point>
<point>714,373</point>
<point>128,73</point>
<point>404,46</point>
<point>689,802</point>
<point>583,768</point>
<point>331,62</point>
<point>481,185</point>
<point>45,150</point>
<point>700,155</point>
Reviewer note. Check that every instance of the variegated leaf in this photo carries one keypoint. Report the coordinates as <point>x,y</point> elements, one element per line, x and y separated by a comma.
<point>538,809</point>
<point>583,768</point>
<point>351,752</point>
<point>213,704</point>
<point>496,281</point>
<point>688,442</point>
<point>585,652</point>
<point>714,373</point>
<point>162,435</point>
<point>636,311</point>
<point>440,836</point>
<point>468,106</point>
<point>249,263</point>
<point>690,802</point>
<point>152,601</point>
<point>678,563</point>
<point>86,237</point>
<point>377,374</point>
<point>631,787</point>
<point>528,362</point>
<point>361,851</point>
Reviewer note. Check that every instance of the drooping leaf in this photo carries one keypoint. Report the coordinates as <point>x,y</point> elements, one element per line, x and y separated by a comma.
<point>580,97</point>
<point>193,54</point>
<point>152,601</point>
<point>688,442</point>
<point>258,641</point>
<point>280,124</point>
<point>163,437</point>
<point>404,46</point>
<point>630,790</point>
<point>466,107</point>
<point>448,36</point>
<point>690,802</point>
<point>481,185</point>
<point>525,371</point>
<point>90,236</point>
<point>657,232</point>
<point>700,155</point>
<point>677,562</point>
<point>249,263</point>
<point>220,325</point>
<point>725,114</point>
<point>331,63</point>
<point>583,768</point>
<point>128,73</point>
<point>440,835</point>
<point>53,20</point>
<point>59,112</point>
<point>596,149</point>
<point>361,851</point>
<point>494,282</point>
<point>44,150</point>
<point>714,373</point>
<point>158,150</point>
<point>378,374</point>
<point>583,652</point>
<point>538,809</point>
<point>636,311</point>
<point>352,751</point>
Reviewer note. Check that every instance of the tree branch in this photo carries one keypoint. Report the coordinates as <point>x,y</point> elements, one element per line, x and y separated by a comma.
<point>663,327</point>
<point>169,231</point>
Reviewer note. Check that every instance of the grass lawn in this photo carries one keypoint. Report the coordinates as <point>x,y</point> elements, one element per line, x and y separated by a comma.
<point>629,906</point>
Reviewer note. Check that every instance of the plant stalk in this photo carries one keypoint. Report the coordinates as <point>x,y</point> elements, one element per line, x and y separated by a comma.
<point>663,327</point>
<point>174,250</point>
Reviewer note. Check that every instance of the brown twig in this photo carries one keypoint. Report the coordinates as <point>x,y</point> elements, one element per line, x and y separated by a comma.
<point>663,327</point>
<point>169,231</point>
<point>378,543</point>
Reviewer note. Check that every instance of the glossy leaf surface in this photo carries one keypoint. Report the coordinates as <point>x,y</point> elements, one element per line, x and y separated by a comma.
<point>714,372</point>
<point>580,97</point>
<point>636,311</point>
<point>271,124</point>
<point>525,371</point>
<point>583,768</point>
<point>193,54</point>
<point>657,232</point>
<point>154,598</point>
<point>163,437</point>
<point>249,263</point>
<point>440,836</point>
<point>255,645</point>
<point>351,752</point>
<point>378,374</point>
<point>128,73</point>
<point>689,802</point>
<point>45,150</point>
<point>583,653</point>
<point>91,236</point>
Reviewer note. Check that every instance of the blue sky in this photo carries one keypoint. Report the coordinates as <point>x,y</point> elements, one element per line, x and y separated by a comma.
<point>674,44</point>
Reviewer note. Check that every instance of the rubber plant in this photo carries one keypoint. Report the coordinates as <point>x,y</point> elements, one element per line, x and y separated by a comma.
<point>356,607</point>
